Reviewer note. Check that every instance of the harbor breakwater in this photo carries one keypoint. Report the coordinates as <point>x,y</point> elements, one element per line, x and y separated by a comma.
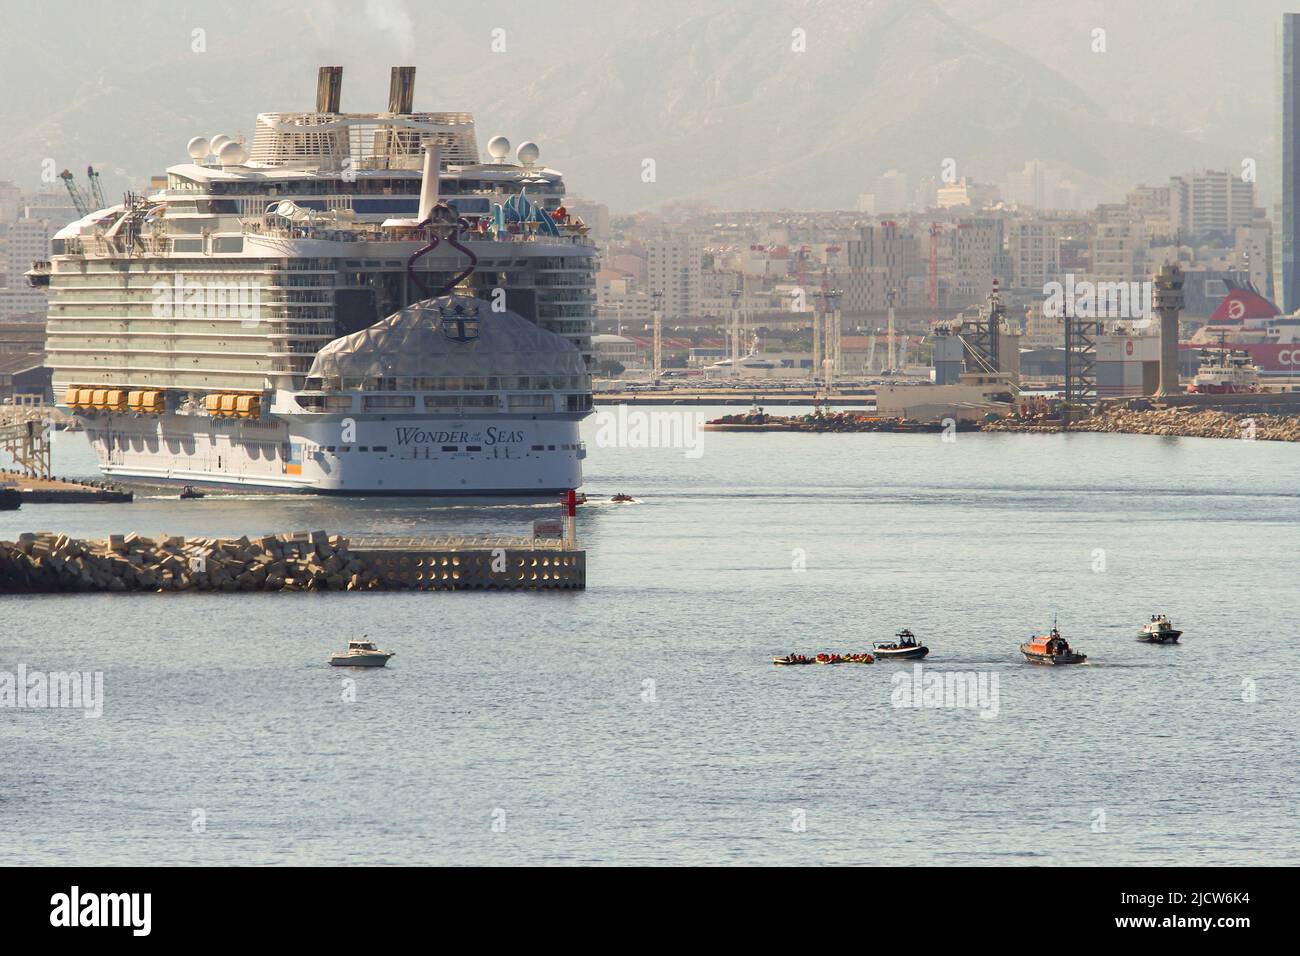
<point>46,562</point>
<point>1176,421</point>
<point>830,422</point>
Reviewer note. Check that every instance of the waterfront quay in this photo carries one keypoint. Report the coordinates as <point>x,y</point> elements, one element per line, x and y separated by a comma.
<point>58,491</point>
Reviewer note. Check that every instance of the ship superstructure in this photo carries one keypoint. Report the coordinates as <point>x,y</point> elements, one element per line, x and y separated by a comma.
<point>184,326</point>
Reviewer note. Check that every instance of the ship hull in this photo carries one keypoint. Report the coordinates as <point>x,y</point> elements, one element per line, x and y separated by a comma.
<point>901,654</point>
<point>436,456</point>
<point>1051,660</point>
<point>1168,637</point>
<point>1220,390</point>
<point>1055,661</point>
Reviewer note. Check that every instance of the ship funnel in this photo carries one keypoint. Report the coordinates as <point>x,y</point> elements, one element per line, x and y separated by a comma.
<point>401,90</point>
<point>329,88</point>
<point>429,184</point>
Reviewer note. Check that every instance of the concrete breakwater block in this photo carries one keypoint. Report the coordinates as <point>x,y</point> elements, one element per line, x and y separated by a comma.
<point>47,562</point>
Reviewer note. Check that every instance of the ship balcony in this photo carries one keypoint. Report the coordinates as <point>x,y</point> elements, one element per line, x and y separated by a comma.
<point>298,335</point>
<point>572,297</point>
<point>293,366</point>
<point>353,232</point>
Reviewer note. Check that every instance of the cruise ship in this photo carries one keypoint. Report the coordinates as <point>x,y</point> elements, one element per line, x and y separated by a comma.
<point>354,303</point>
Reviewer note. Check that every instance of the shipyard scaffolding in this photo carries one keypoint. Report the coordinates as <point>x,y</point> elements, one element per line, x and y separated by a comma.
<point>1080,390</point>
<point>980,336</point>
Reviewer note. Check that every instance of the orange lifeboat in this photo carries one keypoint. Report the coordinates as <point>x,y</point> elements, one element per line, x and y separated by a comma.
<point>1051,648</point>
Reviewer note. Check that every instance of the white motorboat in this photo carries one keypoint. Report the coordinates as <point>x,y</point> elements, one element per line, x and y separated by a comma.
<point>1159,630</point>
<point>362,653</point>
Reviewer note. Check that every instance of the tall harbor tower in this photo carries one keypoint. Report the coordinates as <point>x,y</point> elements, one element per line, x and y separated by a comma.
<point>1167,302</point>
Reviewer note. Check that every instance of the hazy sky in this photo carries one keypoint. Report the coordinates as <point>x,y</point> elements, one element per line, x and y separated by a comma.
<point>757,104</point>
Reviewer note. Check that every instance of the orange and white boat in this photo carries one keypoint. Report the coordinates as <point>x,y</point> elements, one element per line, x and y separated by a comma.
<point>1051,648</point>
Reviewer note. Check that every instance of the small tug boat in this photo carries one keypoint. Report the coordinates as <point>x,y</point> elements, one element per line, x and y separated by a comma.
<point>1051,649</point>
<point>1159,630</point>
<point>189,491</point>
<point>904,648</point>
<point>362,653</point>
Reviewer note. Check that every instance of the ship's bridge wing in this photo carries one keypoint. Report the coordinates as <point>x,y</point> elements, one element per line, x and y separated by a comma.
<point>447,337</point>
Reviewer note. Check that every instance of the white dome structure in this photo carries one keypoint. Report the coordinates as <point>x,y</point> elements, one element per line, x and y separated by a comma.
<point>498,148</point>
<point>197,147</point>
<point>232,154</point>
<point>214,146</point>
<point>528,152</point>
<point>413,343</point>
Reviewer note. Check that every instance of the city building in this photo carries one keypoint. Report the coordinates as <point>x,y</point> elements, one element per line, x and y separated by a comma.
<point>1253,252</point>
<point>892,194</point>
<point>1212,204</point>
<point>22,242</point>
<point>880,259</point>
<point>1034,253</point>
<point>673,274</point>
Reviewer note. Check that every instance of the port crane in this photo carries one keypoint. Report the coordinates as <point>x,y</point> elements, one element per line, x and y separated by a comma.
<point>96,188</point>
<point>85,201</point>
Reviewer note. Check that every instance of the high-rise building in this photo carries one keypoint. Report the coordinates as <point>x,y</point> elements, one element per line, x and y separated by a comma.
<point>1211,203</point>
<point>1033,247</point>
<point>1117,252</point>
<point>977,256</point>
<point>891,193</point>
<point>1154,207</point>
<point>880,260</point>
<point>673,268</point>
<point>1254,253</point>
<point>24,241</point>
<point>1286,281</point>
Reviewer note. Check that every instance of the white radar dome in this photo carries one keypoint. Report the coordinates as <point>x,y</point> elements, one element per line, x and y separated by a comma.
<point>221,139</point>
<point>197,147</point>
<point>498,148</point>
<point>232,154</point>
<point>528,153</point>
